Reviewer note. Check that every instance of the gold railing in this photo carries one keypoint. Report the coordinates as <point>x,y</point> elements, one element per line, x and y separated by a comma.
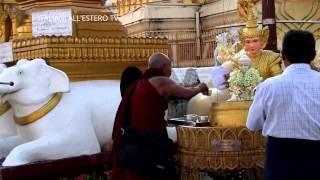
<point>186,52</point>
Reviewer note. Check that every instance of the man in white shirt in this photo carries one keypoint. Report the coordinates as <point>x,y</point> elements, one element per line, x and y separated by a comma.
<point>286,107</point>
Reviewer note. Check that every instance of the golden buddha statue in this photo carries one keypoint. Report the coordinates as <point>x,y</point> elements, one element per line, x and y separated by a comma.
<point>268,63</point>
<point>253,40</point>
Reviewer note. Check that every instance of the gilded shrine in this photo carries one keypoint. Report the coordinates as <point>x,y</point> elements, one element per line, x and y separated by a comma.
<point>96,50</point>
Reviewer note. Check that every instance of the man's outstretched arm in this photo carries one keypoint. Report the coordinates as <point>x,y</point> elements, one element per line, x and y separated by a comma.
<point>167,87</point>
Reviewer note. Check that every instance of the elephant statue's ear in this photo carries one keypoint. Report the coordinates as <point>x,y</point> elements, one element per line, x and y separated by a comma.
<point>22,61</point>
<point>59,81</point>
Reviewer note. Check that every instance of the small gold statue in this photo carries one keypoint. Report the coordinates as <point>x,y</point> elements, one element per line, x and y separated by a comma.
<point>223,51</point>
<point>224,54</point>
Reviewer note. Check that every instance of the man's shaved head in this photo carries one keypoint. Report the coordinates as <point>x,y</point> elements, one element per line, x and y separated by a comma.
<point>157,60</point>
<point>161,61</point>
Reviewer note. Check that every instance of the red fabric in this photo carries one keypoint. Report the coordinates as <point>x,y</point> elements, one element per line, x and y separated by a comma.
<point>148,108</point>
<point>147,113</point>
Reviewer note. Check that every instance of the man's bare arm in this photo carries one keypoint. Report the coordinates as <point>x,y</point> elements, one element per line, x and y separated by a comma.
<point>167,87</point>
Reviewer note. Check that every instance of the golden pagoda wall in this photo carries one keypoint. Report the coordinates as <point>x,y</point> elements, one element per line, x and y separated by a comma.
<point>20,18</point>
<point>9,18</point>
<point>126,6</point>
<point>291,11</point>
<point>296,14</point>
<point>217,16</point>
<point>181,31</point>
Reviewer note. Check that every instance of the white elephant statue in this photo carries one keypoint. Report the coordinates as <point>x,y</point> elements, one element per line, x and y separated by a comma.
<point>8,129</point>
<point>55,119</point>
<point>7,125</point>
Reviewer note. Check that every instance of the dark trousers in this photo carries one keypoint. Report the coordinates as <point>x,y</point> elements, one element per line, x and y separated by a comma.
<point>292,159</point>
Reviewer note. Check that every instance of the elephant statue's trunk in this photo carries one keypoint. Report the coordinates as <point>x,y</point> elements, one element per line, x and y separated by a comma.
<point>7,83</point>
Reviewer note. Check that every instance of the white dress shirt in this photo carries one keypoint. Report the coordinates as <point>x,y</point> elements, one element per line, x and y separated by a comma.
<point>288,105</point>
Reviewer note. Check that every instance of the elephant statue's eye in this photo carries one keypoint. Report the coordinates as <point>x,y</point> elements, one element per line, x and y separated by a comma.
<point>20,72</point>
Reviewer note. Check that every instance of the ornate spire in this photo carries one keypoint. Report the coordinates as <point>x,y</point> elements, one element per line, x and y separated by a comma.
<point>252,19</point>
<point>252,30</point>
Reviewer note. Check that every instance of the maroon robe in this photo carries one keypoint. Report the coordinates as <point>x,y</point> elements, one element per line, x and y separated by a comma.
<point>147,113</point>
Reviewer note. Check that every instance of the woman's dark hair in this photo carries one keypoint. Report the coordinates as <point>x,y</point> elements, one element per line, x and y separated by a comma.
<point>298,46</point>
<point>129,75</point>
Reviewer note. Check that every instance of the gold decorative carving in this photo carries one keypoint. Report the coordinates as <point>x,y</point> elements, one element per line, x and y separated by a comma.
<point>195,158</point>
<point>10,21</point>
<point>7,22</point>
<point>90,58</point>
<point>243,8</point>
<point>290,10</point>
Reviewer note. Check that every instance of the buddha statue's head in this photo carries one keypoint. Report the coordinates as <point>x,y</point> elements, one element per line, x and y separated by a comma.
<point>244,63</point>
<point>252,37</point>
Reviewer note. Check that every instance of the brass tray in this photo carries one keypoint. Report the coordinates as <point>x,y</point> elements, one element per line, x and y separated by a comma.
<point>183,122</point>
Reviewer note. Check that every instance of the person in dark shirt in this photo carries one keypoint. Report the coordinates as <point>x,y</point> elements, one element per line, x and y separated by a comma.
<point>128,76</point>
